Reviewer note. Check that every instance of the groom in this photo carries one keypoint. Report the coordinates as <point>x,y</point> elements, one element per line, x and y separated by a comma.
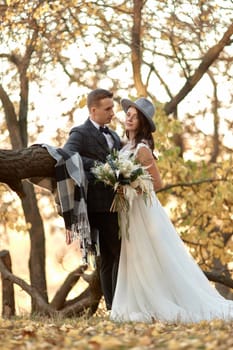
<point>94,141</point>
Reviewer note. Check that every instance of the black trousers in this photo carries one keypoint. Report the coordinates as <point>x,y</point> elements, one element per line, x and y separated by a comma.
<point>107,225</point>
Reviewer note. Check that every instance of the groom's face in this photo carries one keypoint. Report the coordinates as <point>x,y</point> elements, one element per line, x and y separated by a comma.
<point>103,112</point>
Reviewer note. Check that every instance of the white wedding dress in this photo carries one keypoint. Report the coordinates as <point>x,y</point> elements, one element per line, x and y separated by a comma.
<point>157,278</point>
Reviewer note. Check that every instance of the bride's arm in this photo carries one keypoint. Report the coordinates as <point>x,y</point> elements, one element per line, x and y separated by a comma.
<point>145,157</point>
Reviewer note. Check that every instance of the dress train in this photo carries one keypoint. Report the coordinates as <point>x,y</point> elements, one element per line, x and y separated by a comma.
<point>157,278</point>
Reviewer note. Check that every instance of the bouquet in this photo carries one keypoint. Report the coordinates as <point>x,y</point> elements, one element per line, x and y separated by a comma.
<point>127,177</point>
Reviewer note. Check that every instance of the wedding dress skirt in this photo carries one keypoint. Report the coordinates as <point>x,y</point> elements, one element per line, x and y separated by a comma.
<point>157,278</point>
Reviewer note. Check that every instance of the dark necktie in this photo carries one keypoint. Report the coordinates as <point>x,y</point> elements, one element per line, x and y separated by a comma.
<point>105,130</point>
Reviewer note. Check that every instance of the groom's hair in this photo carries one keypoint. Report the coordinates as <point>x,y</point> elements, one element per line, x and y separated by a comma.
<point>95,96</point>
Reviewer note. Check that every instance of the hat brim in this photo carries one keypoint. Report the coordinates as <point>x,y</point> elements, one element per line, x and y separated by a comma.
<point>127,103</point>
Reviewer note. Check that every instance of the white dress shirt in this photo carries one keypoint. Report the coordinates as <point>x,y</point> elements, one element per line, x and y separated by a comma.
<point>108,137</point>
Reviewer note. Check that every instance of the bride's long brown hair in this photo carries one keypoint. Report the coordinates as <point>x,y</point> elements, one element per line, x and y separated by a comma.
<point>143,133</point>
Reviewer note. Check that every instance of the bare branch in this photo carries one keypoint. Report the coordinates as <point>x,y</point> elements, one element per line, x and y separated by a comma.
<point>60,296</point>
<point>190,184</point>
<point>44,307</point>
<point>208,59</point>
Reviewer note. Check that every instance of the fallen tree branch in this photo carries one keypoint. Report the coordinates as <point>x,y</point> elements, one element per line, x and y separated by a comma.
<point>86,303</point>
<point>35,163</point>
<point>17,165</point>
<point>60,296</point>
<point>44,307</point>
<point>219,278</point>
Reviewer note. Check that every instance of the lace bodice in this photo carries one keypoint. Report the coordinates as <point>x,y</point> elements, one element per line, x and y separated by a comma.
<point>129,149</point>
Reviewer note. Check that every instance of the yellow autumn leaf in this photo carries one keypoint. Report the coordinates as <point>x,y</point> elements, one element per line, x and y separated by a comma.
<point>82,102</point>
<point>105,342</point>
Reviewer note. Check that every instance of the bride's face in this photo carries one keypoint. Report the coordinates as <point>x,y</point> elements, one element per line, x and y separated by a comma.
<point>131,120</point>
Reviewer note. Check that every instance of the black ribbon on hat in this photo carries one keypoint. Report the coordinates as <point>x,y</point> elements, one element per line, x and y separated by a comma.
<point>105,130</point>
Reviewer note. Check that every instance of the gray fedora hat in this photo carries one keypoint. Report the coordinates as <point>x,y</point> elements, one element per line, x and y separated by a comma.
<point>144,106</point>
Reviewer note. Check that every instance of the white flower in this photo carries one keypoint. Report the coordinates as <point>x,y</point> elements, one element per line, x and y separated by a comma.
<point>107,169</point>
<point>126,168</point>
<point>128,179</point>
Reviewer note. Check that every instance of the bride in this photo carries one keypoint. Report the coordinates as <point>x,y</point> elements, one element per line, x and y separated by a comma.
<point>157,277</point>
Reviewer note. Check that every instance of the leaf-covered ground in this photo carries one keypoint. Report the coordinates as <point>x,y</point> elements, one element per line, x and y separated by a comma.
<point>98,333</point>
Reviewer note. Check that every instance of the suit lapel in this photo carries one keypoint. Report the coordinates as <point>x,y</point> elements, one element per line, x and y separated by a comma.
<point>115,140</point>
<point>95,133</point>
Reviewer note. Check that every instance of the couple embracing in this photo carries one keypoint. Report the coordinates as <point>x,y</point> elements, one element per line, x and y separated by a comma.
<point>150,275</point>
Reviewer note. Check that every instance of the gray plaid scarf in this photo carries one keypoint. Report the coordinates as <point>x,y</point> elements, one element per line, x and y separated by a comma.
<point>72,192</point>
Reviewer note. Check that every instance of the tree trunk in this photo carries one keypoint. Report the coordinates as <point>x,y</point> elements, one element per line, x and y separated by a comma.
<point>136,50</point>
<point>18,165</point>
<point>18,135</point>
<point>37,243</point>
<point>8,297</point>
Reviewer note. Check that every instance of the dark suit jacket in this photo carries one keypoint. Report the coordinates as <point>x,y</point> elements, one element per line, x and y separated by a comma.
<point>91,144</point>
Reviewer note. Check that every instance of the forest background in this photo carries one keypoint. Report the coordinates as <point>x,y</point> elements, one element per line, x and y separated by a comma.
<point>178,54</point>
